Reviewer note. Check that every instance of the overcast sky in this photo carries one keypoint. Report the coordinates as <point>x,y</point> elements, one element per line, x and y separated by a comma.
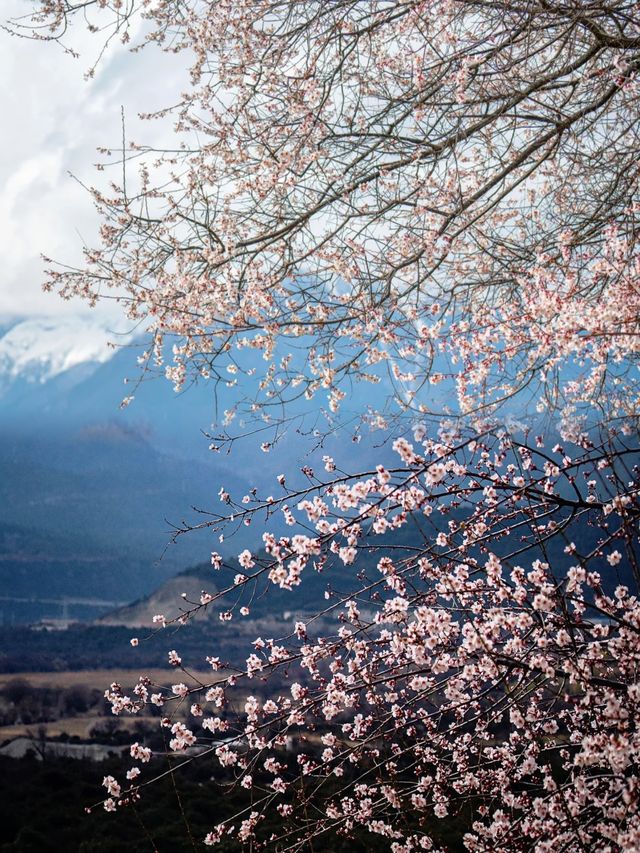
<point>53,122</point>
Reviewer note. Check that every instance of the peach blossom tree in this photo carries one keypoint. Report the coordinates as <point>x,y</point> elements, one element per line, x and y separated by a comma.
<point>437,188</point>
<point>422,193</point>
<point>484,664</point>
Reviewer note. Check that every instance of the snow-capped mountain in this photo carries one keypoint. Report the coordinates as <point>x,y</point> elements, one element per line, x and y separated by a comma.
<point>37,350</point>
<point>74,465</point>
<point>68,374</point>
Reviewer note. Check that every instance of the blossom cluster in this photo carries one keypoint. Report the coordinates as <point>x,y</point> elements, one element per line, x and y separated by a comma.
<point>429,191</point>
<point>474,666</point>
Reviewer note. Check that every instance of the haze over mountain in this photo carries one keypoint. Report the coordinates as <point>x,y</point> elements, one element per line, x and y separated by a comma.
<point>88,490</point>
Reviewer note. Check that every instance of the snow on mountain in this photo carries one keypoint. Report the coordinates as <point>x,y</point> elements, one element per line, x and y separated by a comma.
<point>36,350</point>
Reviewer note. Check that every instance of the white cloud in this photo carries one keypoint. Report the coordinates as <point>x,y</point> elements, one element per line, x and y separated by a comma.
<point>53,122</point>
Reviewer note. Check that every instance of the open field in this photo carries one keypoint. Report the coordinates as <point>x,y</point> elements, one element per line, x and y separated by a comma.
<point>101,678</point>
<point>72,726</point>
<point>94,713</point>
